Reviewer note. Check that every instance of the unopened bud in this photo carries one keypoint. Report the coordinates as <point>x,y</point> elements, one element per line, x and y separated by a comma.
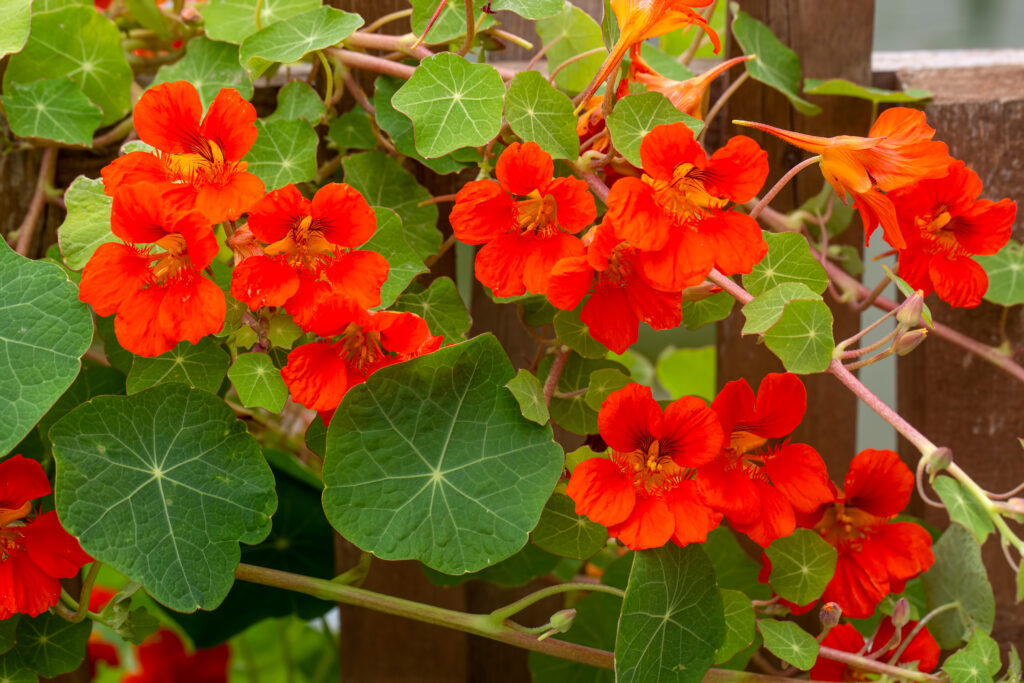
<point>562,620</point>
<point>701,291</point>
<point>939,460</point>
<point>908,341</point>
<point>1015,508</point>
<point>190,15</point>
<point>829,615</point>
<point>900,613</point>
<point>244,244</point>
<point>910,313</point>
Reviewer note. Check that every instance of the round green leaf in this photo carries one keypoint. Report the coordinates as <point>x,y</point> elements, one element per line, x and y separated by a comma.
<point>297,100</point>
<point>235,20</point>
<point>739,625</point>
<point>201,365</point>
<point>452,104</point>
<point>53,109</point>
<point>51,645</point>
<point>966,667</point>
<point>766,309</point>
<point>958,576</point>
<point>536,111</point>
<point>789,642</point>
<point>963,507</point>
<point>8,629</point>
<point>16,18</point>
<point>162,486</point>
<point>258,382</point>
<point>209,66</point>
<point>697,314</point>
<point>802,566</point>
<point>530,395</point>
<point>575,413</point>
<point>87,224</point>
<point>284,152</point>
<point>289,39</point>
<point>13,669</point>
<point>351,130</point>
<point>575,334</point>
<point>564,533</point>
<point>788,259</point>
<point>528,564</point>
<point>404,263</point>
<point>637,115</point>
<point>576,32</point>
<point>431,459</point>
<point>441,306</point>
<point>688,371</point>
<point>802,339</point>
<point>1005,274</point>
<point>602,383</point>
<point>44,330</point>
<point>529,9</point>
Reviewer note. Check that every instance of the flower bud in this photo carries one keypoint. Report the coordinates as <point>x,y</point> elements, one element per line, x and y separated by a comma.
<point>910,313</point>
<point>1015,508</point>
<point>244,244</point>
<point>700,292</point>
<point>907,342</point>
<point>900,613</point>
<point>190,15</point>
<point>939,460</point>
<point>562,620</point>
<point>829,615</point>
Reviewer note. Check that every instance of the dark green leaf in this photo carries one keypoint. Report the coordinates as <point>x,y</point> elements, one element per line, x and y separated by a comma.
<point>288,40</point>
<point>13,669</point>
<point>733,567</point>
<point>577,33</point>
<point>575,334</point>
<point>8,629</point>
<point>739,625</point>
<point>958,576</point>
<point>789,642</point>
<point>697,314</point>
<point>688,371</point>
<point>54,109</point>
<point>51,645</point>
<point>841,86</point>
<point>603,383</point>
<point>116,354</point>
<point>93,380</point>
<point>802,565</point>
<point>1005,274</point>
<point>258,382</point>
<point>564,533</point>
<point>352,130</point>
<point>788,259</point>
<point>235,20</point>
<point>284,152</point>
<point>637,115</point>
<point>441,306</point>
<point>537,112</point>
<point>209,66</point>
<point>574,413</point>
<point>530,395</point>
<point>87,224</point>
<point>964,508</point>
<point>528,564</point>
<point>202,366</point>
<point>404,263</point>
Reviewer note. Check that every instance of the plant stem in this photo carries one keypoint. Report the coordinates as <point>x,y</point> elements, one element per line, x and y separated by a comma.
<point>358,60</point>
<point>503,613</point>
<point>27,229</point>
<point>597,186</point>
<point>572,60</point>
<point>387,18</point>
<point>543,51</point>
<point>920,625</point>
<point>783,181</point>
<point>328,79</point>
<point>83,598</point>
<point>512,38</point>
<point>717,107</point>
<point>877,667</point>
<point>470,29</point>
<point>373,41</point>
<point>115,134</point>
<point>551,383</point>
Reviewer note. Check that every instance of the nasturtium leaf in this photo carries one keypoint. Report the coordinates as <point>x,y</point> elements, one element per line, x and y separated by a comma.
<point>162,486</point>
<point>530,395</point>
<point>118,356</point>
<point>8,630</point>
<point>404,263</point>
<point>688,371</point>
<point>766,309</point>
<point>452,103</point>
<point>431,459</point>
<point>529,9</point>
<point>958,576</point>
<point>739,625</point>
<point>209,66</point>
<point>576,33</point>
<point>664,63</point>
<point>575,334</point>
<point>789,642</point>
<point>289,463</point>
<point>788,260</point>
<point>441,306</point>
<point>133,625</point>
<point>564,533</point>
<point>236,20</point>
<point>1005,271</point>
<point>802,338</point>
<point>535,309</point>
<point>528,564</point>
<point>14,670</point>
<point>609,24</point>
<point>574,413</point>
<point>149,16</point>
<point>537,112</point>
<point>51,645</point>
<point>290,39</point>
<point>733,567</point>
<point>87,224</point>
<point>574,458</point>
<point>282,330</point>
<point>639,368</point>
<point>40,6</point>
<point>672,618</point>
<point>297,100</point>
<point>964,508</point>
<point>697,314</point>
<point>637,115</point>
<point>54,109</point>
<point>16,19</point>
<point>775,65</point>
<point>1013,666</point>
<point>966,667</point>
<point>841,86</point>
<point>44,330</point>
<point>93,380</point>
<point>986,649</point>
<point>802,566</point>
<point>450,24</point>
<point>848,257</point>
<point>201,365</point>
<point>258,382</point>
<point>284,152</point>
<point>602,383</point>
<point>352,130</point>
<point>383,182</point>
<point>82,44</point>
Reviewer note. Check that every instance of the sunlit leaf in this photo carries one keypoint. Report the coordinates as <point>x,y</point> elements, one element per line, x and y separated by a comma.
<point>530,395</point>
<point>637,115</point>
<point>537,112</point>
<point>209,66</point>
<point>789,642</point>
<point>284,152</point>
<point>87,224</point>
<point>802,565</point>
<point>53,109</point>
<point>288,40</point>
<point>201,365</point>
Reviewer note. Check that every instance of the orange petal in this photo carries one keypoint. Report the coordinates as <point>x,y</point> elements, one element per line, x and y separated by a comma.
<point>650,526</point>
<point>167,117</point>
<point>544,254</point>
<point>263,281</point>
<point>231,124</point>
<point>112,275</point>
<point>630,419</point>
<point>343,215</point>
<point>316,375</point>
<point>601,491</point>
<point>482,212</point>
<point>523,168</point>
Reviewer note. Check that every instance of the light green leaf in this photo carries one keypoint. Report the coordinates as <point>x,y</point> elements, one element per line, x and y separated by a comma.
<point>1013,668</point>
<point>802,565</point>
<point>53,109</point>
<point>564,533</point>
<point>776,65</point>
<point>404,263</point>
<point>202,365</point>
<point>441,306</point>
<point>51,645</point>
<point>14,670</point>
<point>574,413</point>
<point>688,371</point>
<point>44,330</point>
<point>452,104</point>
<point>209,66</point>
<point>282,330</point>
<point>966,667</point>
<point>697,314</point>
<point>16,19</point>
<point>537,112</point>
<point>788,259</point>
<point>431,459</point>
<point>40,6</point>
<point>452,22</point>
<point>739,625</point>
<point>8,629</point>
<point>577,33</point>
<point>1005,274</point>
<point>672,618</point>
<point>296,100</point>
<point>766,309</point>
<point>82,44</point>
<point>529,9</point>
<point>148,14</point>
<point>530,395</point>
<point>284,152</point>
<point>235,20</point>
<point>841,86</point>
<point>258,382</point>
<point>984,648</point>
<point>802,338</point>
<point>664,63</point>
<point>162,486</point>
<point>964,508</point>
<point>958,576</point>
<point>602,384</point>
<point>789,642</point>
<point>575,334</point>
<point>383,182</point>
<point>637,115</point>
<point>290,39</point>
<point>353,130</point>
<point>87,224</point>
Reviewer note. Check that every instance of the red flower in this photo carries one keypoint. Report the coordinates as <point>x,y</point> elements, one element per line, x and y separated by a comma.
<point>755,484</point>
<point>35,552</point>
<point>200,156</point>
<point>922,649</point>
<point>622,297</point>
<point>156,289</point>
<point>945,224</point>
<point>524,220</point>
<point>676,214</point>
<point>644,490</point>
<point>876,555</point>
<point>163,659</point>
<point>311,252</point>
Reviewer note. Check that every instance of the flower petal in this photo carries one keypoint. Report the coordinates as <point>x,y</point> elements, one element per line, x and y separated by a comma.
<point>878,483</point>
<point>523,168</point>
<point>649,526</point>
<point>601,491</point>
<point>343,215</point>
<point>691,433</point>
<point>610,317</point>
<point>167,117</point>
<point>799,473</point>
<point>482,212</point>
<point>316,375</point>
<point>630,419</point>
<point>230,123</point>
<point>693,518</point>
<point>263,281</point>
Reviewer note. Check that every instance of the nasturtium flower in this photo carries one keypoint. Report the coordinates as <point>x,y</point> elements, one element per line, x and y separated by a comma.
<point>945,225</point>
<point>153,279</point>
<point>756,481</point>
<point>686,96</point>
<point>163,659</point>
<point>622,297</point>
<point>677,214</point>
<point>311,252</point>
<point>643,490</point>
<point>922,649</point>
<point>526,220</point>
<point>898,151</point>
<point>199,157</point>
<point>35,550</point>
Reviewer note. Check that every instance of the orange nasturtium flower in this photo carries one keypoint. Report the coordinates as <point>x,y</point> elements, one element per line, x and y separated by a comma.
<point>898,151</point>
<point>687,96</point>
<point>199,155</point>
<point>153,280</point>
<point>526,221</point>
<point>644,491</point>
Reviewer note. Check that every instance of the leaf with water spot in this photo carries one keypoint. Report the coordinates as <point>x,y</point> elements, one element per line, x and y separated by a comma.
<point>201,365</point>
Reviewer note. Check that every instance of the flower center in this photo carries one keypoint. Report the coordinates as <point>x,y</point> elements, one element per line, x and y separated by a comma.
<point>842,524</point>
<point>938,229</point>
<point>10,543</point>
<point>205,166</point>
<point>538,214</point>
<point>173,260</point>
<point>620,264</point>
<point>8,516</point>
<point>684,197</point>
<point>305,246</point>
<point>650,467</point>
<point>362,348</point>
